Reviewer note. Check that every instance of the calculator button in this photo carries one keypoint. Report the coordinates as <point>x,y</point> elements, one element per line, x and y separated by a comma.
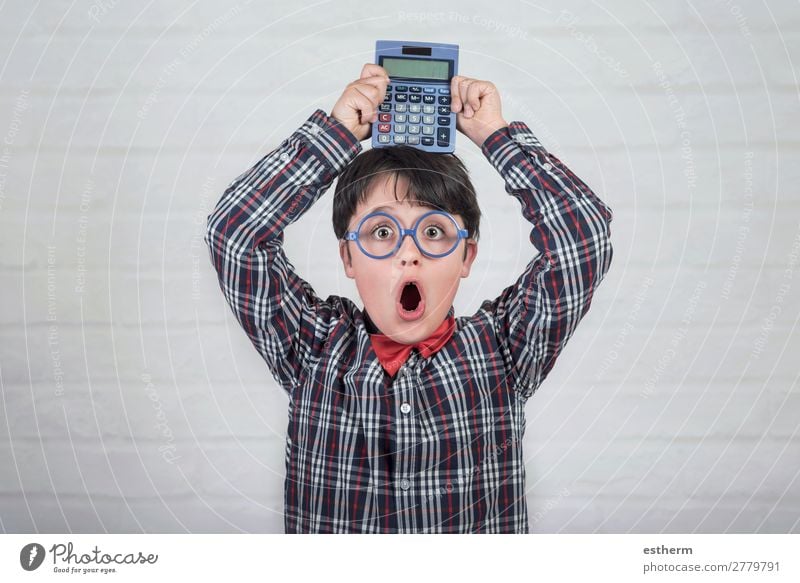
<point>413,129</point>
<point>384,117</point>
<point>444,91</point>
<point>399,139</point>
<point>428,109</point>
<point>387,98</point>
<point>427,130</point>
<point>414,98</point>
<point>413,140</point>
<point>415,108</point>
<point>428,90</point>
<point>400,107</point>
<point>401,97</point>
<point>399,129</point>
<point>399,118</point>
<point>443,137</point>
<point>413,119</point>
<point>384,127</point>
<point>428,99</point>
<point>385,107</point>
<point>401,87</point>
<point>427,141</point>
<point>427,119</point>
<point>443,121</point>
<point>444,100</point>
<point>415,89</point>
<point>443,110</point>
<point>383,138</point>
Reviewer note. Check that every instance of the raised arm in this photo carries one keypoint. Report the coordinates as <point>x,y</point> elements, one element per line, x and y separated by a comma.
<point>277,309</point>
<point>537,315</point>
<point>283,317</point>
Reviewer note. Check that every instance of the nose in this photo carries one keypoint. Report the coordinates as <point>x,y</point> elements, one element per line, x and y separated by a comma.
<point>409,253</point>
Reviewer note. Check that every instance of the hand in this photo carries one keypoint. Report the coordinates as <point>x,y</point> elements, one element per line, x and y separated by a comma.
<point>357,108</point>
<point>477,105</point>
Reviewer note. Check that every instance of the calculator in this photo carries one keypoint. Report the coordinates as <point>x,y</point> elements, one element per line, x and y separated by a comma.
<point>416,109</point>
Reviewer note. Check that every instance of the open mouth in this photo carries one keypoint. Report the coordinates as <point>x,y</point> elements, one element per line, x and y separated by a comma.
<point>410,304</point>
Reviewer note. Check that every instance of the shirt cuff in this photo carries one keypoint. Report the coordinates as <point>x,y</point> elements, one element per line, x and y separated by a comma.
<point>504,147</point>
<point>329,141</point>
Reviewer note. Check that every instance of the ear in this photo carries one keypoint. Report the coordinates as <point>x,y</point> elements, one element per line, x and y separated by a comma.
<point>347,260</point>
<point>472,253</point>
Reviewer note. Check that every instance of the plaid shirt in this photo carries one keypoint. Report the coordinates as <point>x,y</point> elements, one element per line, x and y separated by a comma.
<point>437,449</point>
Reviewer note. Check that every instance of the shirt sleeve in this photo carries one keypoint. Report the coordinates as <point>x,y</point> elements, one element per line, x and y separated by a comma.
<point>535,317</point>
<point>279,311</point>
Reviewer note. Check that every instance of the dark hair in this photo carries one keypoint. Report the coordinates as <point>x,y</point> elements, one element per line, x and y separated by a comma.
<point>440,181</point>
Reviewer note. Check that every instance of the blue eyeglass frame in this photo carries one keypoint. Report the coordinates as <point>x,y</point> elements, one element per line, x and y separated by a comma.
<point>353,235</point>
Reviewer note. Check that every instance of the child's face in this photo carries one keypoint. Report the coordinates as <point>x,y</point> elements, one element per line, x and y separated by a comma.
<point>380,282</point>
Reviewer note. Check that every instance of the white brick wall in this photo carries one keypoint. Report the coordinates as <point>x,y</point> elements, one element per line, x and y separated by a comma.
<point>132,402</point>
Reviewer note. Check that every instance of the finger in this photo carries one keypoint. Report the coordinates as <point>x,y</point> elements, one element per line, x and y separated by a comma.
<point>474,93</point>
<point>368,88</point>
<point>359,105</point>
<point>457,95</point>
<point>374,91</point>
<point>455,100</point>
<point>367,99</point>
<point>463,90</point>
<point>373,70</point>
<point>378,83</point>
<point>364,111</point>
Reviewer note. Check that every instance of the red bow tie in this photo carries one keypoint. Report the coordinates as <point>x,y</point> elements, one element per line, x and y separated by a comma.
<point>392,354</point>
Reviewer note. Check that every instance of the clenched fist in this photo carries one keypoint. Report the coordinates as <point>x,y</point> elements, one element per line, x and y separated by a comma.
<point>357,108</point>
<point>477,107</point>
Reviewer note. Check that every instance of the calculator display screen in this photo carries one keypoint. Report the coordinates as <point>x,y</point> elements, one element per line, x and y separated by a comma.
<point>417,68</point>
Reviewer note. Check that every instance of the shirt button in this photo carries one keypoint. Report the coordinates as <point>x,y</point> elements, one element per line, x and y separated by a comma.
<point>284,156</point>
<point>405,408</point>
<point>315,130</point>
<point>547,165</point>
<point>405,484</point>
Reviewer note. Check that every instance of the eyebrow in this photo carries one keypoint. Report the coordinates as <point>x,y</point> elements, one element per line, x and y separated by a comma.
<point>389,208</point>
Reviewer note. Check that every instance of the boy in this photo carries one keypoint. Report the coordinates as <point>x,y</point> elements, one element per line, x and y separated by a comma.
<point>403,418</point>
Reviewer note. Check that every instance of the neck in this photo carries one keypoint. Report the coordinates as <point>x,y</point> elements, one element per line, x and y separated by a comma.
<point>370,325</point>
<point>373,329</point>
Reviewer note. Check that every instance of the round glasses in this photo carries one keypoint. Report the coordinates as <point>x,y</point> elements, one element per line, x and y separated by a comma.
<point>379,235</point>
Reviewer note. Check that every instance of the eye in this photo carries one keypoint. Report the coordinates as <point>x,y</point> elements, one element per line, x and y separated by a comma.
<point>434,232</point>
<point>382,232</point>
